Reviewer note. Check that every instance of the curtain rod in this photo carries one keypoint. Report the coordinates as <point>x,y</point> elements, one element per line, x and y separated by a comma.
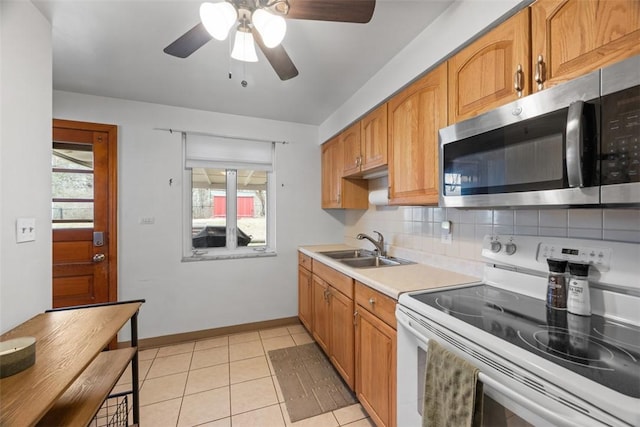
<point>189,132</point>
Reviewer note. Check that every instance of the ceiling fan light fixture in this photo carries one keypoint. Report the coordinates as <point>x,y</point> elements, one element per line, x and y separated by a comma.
<point>272,28</point>
<point>243,47</point>
<point>218,18</point>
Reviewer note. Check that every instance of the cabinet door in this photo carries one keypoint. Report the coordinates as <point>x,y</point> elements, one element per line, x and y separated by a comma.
<point>376,368</point>
<point>320,312</point>
<point>305,297</point>
<point>332,159</point>
<point>342,344</point>
<point>415,115</point>
<point>483,75</point>
<point>350,140</point>
<point>573,37</point>
<point>373,139</point>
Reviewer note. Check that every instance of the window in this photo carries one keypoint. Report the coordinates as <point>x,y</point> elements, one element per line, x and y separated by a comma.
<point>228,197</point>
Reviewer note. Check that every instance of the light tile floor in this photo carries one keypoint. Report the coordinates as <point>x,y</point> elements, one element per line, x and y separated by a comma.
<point>224,382</point>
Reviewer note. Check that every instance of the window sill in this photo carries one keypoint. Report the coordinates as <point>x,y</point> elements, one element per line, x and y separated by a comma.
<point>221,256</point>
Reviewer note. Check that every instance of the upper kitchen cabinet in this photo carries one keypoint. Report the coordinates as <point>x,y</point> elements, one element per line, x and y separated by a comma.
<point>491,71</point>
<point>350,140</point>
<point>373,139</point>
<point>573,37</point>
<point>338,192</point>
<point>365,143</point>
<point>414,117</point>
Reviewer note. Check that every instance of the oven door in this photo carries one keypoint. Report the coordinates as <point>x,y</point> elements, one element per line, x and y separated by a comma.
<point>505,401</point>
<point>539,150</point>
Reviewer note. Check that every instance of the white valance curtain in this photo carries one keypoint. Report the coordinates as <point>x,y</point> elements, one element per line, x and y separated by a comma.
<point>215,152</point>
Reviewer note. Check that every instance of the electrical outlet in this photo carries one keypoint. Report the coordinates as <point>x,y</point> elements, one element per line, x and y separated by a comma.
<point>25,230</point>
<point>147,220</point>
<point>445,232</point>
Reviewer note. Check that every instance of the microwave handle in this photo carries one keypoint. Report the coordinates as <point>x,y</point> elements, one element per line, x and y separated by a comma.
<point>574,146</point>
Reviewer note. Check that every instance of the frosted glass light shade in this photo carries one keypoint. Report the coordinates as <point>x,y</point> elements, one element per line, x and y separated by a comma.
<point>271,27</point>
<point>218,18</point>
<point>243,47</point>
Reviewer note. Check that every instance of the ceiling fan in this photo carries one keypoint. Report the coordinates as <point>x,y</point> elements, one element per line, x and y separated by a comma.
<point>263,21</point>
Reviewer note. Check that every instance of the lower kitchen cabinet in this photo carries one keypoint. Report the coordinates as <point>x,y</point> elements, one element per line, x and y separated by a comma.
<point>342,340</point>
<point>375,351</point>
<point>305,291</point>
<point>333,318</point>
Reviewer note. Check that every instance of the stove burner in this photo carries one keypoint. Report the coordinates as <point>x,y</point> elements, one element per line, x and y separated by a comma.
<point>619,334</point>
<point>576,348</point>
<point>496,296</point>
<point>465,305</point>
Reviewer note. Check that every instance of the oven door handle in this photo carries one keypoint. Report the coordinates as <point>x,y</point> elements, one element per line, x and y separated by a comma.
<point>575,144</point>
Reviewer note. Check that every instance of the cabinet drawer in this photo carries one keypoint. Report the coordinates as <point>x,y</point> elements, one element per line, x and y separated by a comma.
<point>340,281</point>
<point>377,303</point>
<point>304,261</point>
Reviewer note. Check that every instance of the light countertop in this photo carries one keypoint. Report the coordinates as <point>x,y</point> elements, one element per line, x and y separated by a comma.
<point>391,281</point>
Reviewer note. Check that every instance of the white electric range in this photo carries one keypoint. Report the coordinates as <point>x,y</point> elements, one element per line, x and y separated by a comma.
<point>545,366</point>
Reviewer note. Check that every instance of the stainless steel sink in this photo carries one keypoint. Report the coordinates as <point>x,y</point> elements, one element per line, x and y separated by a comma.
<point>374,262</point>
<point>349,253</point>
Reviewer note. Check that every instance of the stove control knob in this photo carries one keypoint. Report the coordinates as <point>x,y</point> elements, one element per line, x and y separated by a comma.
<point>510,248</point>
<point>496,246</point>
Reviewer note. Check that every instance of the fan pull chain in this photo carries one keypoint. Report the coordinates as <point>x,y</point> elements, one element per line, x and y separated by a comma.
<point>229,57</point>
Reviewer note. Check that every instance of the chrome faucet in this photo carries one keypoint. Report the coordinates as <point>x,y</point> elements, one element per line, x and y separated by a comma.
<point>379,244</point>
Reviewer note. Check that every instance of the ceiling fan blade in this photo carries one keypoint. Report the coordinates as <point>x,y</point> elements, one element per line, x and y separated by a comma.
<point>358,11</point>
<point>189,42</point>
<point>277,57</point>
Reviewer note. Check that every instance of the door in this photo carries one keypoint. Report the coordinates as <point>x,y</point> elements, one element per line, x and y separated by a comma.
<point>305,301</point>
<point>350,140</point>
<point>414,118</point>
<point>572,37</point>
<point>376,367</point>
<point>84,213</point>
<point>332,164</point>
<point>374,139</point>
<point>320,312</point>
<point>341,341</point>
<point>492,70</point>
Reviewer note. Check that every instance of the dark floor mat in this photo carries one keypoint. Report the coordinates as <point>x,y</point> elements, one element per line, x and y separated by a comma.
<point>309,383</point>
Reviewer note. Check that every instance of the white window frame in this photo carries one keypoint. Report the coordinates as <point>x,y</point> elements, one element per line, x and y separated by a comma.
<point>232,250</point>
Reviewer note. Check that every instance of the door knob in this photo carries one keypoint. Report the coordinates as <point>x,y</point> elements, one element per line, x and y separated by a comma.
<point>98,257</point>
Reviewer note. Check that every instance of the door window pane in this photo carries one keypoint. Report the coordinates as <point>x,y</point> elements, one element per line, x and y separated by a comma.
<point>72,214</point>
<point>72,185</point>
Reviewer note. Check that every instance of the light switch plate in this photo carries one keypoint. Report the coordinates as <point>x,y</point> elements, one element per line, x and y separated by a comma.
<point>25,230</point>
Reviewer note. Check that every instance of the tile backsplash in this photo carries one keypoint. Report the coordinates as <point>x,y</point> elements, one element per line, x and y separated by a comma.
<point>417,230</point>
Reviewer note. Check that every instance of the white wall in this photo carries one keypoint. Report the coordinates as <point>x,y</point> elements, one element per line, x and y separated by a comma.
<point>25,161</point>
<point>457,25</point>
<point>191,296</point>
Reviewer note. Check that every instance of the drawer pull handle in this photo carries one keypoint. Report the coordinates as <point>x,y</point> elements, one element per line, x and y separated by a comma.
<point>372,301</point>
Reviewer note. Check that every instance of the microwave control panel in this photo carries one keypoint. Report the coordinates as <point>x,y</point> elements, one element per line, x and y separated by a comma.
<point>621,137</point>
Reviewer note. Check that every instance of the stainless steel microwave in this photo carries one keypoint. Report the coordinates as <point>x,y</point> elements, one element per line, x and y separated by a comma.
<point>575,144</point>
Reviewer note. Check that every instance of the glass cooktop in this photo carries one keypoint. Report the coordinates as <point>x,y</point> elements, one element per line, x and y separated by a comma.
<point>602,350</point>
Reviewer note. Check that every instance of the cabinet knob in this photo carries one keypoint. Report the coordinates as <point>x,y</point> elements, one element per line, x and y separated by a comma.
<point>540,72</point>
<point>372,300</point>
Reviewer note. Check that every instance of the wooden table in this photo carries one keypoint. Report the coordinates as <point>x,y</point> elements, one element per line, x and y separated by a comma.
<point>72,374</point>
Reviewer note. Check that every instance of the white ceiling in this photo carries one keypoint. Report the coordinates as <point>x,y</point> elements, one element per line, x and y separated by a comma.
<point>113,48</point>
